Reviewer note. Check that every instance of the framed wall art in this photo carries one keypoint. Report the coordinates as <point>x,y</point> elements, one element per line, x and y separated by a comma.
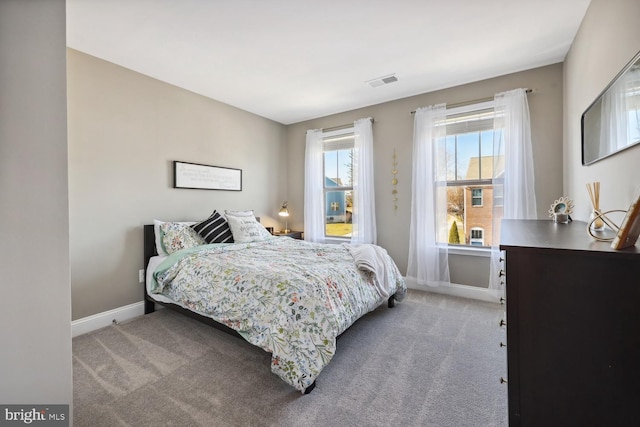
<point>206,177</point>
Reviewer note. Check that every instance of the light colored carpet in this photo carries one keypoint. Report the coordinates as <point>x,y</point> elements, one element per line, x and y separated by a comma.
<point>432,360</point>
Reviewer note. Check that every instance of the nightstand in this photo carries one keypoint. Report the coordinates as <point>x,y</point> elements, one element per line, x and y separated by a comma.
<point>292,234</point>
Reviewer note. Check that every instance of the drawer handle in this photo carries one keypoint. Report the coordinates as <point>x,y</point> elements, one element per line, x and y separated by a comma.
<point>503,322</point>
<point>502,344</point>
<point>502,300</point>
<point>502,380</point>
<point>501,259</point>
<point>501,273</point>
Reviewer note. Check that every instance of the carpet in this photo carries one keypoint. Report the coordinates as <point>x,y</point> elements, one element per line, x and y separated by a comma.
<point>433,360</point>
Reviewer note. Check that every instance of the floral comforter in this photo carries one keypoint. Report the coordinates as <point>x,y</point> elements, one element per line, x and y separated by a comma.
<point>290,297</point>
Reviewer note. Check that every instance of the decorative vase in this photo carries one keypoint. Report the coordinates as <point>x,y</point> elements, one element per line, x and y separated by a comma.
<point>595,222</point>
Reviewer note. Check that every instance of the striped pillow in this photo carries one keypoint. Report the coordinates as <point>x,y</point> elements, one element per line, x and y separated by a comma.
<point>214,229</point>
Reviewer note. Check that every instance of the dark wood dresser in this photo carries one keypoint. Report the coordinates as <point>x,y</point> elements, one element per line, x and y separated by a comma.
<point>573,327</point>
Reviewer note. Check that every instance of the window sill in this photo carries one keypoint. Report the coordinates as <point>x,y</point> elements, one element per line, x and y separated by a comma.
<point>469,251</point>
<point>337,240</point>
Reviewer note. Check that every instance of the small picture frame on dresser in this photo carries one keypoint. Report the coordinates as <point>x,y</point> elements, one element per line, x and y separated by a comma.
<point>630,229</point>
<point>560,210</point>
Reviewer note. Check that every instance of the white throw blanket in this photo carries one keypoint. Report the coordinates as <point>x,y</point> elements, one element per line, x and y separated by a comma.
<point>373,258</point>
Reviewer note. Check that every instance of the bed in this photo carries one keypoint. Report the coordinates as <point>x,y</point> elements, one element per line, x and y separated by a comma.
<point>290,297</point>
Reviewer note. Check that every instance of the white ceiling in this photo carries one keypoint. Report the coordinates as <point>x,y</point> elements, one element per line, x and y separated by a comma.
<point>294,60</point>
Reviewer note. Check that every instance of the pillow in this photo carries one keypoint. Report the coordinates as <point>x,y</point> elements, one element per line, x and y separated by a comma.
<point>214,229</point>
<point>265,233</point>
<point>177,236</point>
<point>157,232</point>
<point>245,228</point>
<point>239,213</point>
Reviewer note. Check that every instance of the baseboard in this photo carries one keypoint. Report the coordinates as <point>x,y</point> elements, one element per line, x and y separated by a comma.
<point>464,291</point>
<point>121,314</point>
<point>106,318</point>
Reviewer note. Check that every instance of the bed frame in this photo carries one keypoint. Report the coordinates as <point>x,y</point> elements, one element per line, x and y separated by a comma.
<point>149,303</point>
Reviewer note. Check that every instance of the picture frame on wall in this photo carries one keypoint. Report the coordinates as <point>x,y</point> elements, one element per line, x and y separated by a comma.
<point>206,177</point>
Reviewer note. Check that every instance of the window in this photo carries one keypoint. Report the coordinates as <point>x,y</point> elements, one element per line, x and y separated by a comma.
<point>467,168</point>
<point>339,195</point>
<point>338,182</point>
<point>476,197</point>
<point>477,237</point>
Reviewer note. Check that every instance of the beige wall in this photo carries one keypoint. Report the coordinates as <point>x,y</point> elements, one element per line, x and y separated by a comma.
<point>35,308</point>
<point>125,129</point>
<point>608,38</point>
<point>393,129</point>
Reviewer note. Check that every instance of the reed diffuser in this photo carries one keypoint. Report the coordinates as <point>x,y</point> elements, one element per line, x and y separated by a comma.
<point>594,194</point>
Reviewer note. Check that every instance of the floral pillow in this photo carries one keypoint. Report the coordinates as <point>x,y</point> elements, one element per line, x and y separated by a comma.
<point>159,235</point>
<point>177,236</point>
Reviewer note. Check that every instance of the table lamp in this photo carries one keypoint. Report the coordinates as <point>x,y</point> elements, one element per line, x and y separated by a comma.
<point>284,212</point>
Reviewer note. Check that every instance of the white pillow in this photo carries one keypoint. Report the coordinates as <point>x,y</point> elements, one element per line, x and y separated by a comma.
<point>240,213</point>
<point>159,235</point>
<point>245,228</point>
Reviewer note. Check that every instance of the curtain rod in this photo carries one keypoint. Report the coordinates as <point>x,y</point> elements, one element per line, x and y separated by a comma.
<point>345,126</point>
<point>475,101</point>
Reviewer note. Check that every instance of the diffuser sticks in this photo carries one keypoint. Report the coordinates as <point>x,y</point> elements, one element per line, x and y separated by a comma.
<point>594,194</point>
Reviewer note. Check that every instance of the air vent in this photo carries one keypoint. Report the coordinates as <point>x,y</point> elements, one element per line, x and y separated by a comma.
<point>384,80</point>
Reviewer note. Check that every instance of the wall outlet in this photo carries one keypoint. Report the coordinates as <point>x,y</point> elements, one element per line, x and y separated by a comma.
<point>141,276</point>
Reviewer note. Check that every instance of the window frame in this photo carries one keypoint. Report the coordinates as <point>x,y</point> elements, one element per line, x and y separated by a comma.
<point>472,239</point>
<point>468,248</point>
<point>474,197</point>
<point>342,133</point>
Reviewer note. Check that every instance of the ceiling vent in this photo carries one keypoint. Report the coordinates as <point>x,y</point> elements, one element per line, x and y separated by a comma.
<point>384,80</point>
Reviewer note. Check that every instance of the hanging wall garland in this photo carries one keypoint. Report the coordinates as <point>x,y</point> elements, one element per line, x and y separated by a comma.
<point>394,181</point>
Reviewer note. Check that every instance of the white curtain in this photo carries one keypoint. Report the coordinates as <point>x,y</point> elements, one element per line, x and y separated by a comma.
<point>314,187</point>
<point>428,261</point>
<point>364,209</point>
<point>513,170</point>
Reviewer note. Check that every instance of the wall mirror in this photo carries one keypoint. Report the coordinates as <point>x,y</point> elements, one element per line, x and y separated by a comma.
<point>612,122</point>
